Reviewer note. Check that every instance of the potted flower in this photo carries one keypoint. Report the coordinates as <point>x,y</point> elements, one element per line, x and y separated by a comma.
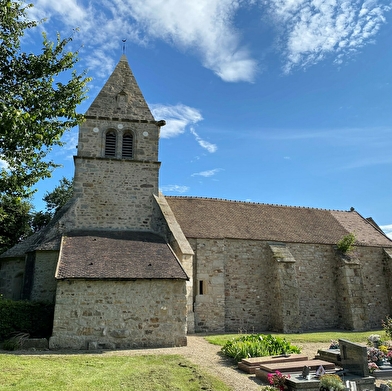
<point>372,366</point>
<point>331,382</point>
<point>389,356</point>
<point>278,380</point>
<point>375,355</point>
<point>374,340</point>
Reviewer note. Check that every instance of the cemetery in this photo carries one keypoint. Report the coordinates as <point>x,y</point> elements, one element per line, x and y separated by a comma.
<point>348,366</point>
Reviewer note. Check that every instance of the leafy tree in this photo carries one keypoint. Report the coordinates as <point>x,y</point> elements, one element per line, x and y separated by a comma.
<point>39,220</point>
<point>36,108</point>
<point>14,221</point>
<point>56,199</point>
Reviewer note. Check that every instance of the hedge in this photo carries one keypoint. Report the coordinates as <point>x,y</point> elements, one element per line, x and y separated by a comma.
<point>34,318</point>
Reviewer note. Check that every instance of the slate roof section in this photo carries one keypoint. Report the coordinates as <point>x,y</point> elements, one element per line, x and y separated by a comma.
<point>216,218</point>
<point>117,255</point>
<point>121,85</point>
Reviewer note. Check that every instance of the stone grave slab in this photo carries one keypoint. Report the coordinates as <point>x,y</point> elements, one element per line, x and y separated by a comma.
<point>332,355</point>
<point>298,383</point>
<point>354,357</point>
<point>249,365</point>
<point>292,367</point>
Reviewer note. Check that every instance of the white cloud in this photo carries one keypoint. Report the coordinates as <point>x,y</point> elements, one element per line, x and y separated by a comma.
<point>174,188</point>
<point>177,118</point>
<point>204,27</point>
<point>309,30</point>
<point>207,173</point>
<point>312,29</point>
<point>387,230</point>
<point>204,144</point>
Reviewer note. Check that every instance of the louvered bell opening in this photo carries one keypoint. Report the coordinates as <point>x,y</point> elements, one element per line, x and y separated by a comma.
<point>127,146</point>
<point>110,145</point>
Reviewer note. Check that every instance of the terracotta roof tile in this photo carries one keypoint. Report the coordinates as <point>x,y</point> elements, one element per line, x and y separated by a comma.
<point>117,255</point>
<point>215,218</point>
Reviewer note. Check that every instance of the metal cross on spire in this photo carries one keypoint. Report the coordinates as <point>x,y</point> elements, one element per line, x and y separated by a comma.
<point>123,46</point>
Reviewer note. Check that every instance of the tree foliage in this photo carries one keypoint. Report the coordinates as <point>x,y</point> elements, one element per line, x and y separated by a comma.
<point>57,198</point>
<point>18,219</point>
<point>14,221</point>
<point>36,106</point>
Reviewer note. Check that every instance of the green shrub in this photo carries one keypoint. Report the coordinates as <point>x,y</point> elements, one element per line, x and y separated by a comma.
<point>257,345</point>
<point>387,326</point>
<point>33,318</point>
<point>346,244</point>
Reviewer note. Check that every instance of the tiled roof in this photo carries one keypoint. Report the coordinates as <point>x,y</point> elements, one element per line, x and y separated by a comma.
<point>117,255</point>
<point>215,218</point>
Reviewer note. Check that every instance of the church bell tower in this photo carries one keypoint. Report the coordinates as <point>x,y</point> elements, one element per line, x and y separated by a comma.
<point>117,167</point>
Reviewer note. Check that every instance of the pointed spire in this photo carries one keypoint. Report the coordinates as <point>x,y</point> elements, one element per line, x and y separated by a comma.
<point>121,96</point>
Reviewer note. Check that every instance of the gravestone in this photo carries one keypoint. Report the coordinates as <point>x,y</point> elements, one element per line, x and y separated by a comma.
<point>354,358</point>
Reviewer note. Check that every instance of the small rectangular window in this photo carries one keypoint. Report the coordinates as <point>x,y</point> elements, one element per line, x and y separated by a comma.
<point>201,287</point>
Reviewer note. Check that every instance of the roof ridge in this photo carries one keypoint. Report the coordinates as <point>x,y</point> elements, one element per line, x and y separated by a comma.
<point>259,203</point>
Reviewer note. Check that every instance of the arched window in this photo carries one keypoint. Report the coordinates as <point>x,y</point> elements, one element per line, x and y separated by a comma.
<point>110,144</point>
<point>127,146</point>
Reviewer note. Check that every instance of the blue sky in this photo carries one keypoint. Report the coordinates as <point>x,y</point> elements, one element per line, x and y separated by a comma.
<point>279,101</point>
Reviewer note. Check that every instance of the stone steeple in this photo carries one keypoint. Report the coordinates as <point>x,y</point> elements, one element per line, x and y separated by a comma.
<point>117,167</point>
<point>121,96</point>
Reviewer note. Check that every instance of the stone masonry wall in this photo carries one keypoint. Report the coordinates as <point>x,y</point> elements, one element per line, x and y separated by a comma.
<point>375,281</point>
<point>11,277</point>
<point>247,282</point>
<point>209,307</point>
<point>92,137</point>
<point>285,309</point>
<point>252,295</point>
<point>110,195</point>
<point>44,285</point>
<point>318,291</point>
<point>119,314</point>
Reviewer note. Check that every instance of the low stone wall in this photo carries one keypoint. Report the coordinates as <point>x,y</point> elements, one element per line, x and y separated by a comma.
<point>119,314</point>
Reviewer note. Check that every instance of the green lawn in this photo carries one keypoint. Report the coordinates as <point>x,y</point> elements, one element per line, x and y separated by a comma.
<point>326,337</point>
<point>110,373</point>
<point>82,372</point>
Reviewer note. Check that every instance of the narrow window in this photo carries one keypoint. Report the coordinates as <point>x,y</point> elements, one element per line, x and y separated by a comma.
<point>110,144</point>
<point>127,146</point>
<point>201,287</point>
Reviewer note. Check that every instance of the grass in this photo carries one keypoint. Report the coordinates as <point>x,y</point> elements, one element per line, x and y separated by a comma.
<point>110,373</point>
<point>114,373</point>
<point>327,336</point>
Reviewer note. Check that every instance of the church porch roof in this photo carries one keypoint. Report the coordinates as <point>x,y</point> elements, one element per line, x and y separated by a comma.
<point>117,255</point>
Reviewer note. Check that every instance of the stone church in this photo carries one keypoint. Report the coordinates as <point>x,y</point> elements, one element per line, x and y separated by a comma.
<point>128,267</point>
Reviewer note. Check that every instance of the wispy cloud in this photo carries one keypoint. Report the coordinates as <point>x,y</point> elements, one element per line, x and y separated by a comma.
<point>204,27</point>
<point>208,173</point>
<point>308,30</point>
<point>387,230</point>
<point>204,144</point>
<point>174,189</point>
<point>313,29</point>
<point>177,118</point>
